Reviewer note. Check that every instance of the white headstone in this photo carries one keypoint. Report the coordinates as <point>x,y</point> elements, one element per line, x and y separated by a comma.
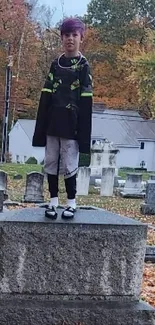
<point>98,182</point>
<point>83,179</point>
<point>116,171</point>
<point>107,181</point>
<point>96,159</point>
<point>116,179</point>
<point>103,154</point>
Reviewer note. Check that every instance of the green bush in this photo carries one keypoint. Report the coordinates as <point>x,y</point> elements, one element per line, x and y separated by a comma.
<point>31,161</point>
<point>8,157</point>
<point>127,169</point>
<point>84,160</point>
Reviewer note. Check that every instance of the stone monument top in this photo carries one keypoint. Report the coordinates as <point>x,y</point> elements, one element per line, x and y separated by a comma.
<point>104,145</point>
<point>84,215</point>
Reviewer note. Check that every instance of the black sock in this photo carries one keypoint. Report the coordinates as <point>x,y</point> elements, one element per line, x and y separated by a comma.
<point>70,184</point>
<point>53,185</point>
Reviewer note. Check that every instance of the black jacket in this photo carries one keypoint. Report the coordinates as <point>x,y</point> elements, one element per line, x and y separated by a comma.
<point>65,108</point>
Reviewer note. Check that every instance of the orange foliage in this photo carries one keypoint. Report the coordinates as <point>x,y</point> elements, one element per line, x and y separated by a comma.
<point>32,52</point>
<point>21,34</point>
<point>111,85</point>
<point>148,288</point>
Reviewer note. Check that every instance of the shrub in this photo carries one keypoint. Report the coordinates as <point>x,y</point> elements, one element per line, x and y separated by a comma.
<point>8,157</point>
<point>84,160</point>
<point>31,161</point>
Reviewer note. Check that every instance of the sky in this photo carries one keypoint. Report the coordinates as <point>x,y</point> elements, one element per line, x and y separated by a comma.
<point>71,7</point>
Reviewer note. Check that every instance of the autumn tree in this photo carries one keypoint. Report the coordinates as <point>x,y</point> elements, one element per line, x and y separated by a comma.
<point>142,74</point>
<point>32,44</point>
<point>109,76</point>
<point>12,17</point>
<point>120,26</point>
<point>121,20</point>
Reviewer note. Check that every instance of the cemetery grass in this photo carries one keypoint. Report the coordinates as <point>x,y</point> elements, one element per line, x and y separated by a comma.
<point>145,175</point>
<point>22,169</point>
<point>122,206</point>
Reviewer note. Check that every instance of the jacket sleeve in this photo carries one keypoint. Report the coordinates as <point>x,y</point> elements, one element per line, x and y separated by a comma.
<point>39,137</point>
<point>85,110</point>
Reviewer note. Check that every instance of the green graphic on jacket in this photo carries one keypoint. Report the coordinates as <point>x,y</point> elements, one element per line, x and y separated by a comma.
<point>56,85</point>
<point>75,84</point>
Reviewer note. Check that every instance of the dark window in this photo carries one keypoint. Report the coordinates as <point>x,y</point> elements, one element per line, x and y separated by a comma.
<point>142,145</point>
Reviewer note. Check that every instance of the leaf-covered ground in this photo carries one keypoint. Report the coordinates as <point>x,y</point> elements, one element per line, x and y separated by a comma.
<point>148,286</point>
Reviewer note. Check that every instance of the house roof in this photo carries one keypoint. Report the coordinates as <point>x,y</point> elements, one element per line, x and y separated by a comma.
<point>28,127</point>
<point>113,129</point>
<point>120,127</point>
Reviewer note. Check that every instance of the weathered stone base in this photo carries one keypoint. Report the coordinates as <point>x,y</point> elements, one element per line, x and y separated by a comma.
<point>147,208</point>
<point>138,195</point>
<point>41,256</point>
<point>32,199</point>
<point>150,258</point>
<point>41,311</point>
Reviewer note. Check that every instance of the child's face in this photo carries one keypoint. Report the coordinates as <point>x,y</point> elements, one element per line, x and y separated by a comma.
<point>71,42</point>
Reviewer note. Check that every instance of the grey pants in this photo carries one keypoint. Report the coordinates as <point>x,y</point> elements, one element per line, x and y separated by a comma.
<point>61,156</point>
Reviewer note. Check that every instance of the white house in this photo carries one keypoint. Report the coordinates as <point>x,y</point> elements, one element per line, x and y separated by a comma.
<point>130,133</point>
<point>20,142</point>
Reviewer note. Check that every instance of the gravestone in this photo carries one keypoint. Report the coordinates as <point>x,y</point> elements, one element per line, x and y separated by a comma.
<point>121,183</point>
<point>103,154</point>
<point>152,178</point>
<point>34,188</point>
<point>107,181</point>
<point>3,183</point>
<point>1,200</point>
<point>116,181</point>
<point>96,161</point>
<point>149,206</point>
<point>83,271</point>
<point>98,182</point>
<point>83,180</point>
<point>3,180</point>
<point>133,186</point>
<point>116,172</point>
<point>150,254</point>
<point>150,250</point>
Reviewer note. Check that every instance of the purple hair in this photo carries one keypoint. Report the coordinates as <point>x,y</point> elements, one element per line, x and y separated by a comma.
<point>72,24</point>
